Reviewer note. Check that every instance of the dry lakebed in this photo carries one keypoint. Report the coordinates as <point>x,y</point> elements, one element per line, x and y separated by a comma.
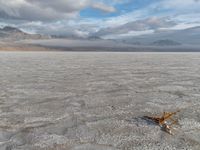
<point>96,100</point>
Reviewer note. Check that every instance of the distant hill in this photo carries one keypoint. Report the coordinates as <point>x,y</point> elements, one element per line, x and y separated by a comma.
<point>10,29</point>
<point>165,43</point>
<point>12,33</point>
<point>190,36</point>
<point>94,38</point>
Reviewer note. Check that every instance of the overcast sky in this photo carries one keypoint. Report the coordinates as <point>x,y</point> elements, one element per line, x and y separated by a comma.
<point>105,18</point>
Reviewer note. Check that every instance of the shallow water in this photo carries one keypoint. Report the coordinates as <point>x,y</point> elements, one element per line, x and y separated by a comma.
<point>78,101</point>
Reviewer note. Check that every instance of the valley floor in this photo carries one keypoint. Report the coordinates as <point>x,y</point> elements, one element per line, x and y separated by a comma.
<point>95,101</point>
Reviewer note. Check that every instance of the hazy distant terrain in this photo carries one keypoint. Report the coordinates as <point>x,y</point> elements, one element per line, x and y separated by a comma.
<point>14,34</point>
<point>87,101</point>
<point>190,36</point>
<point>10,37</point>
<point>14,39</point>
<point>111,45</point>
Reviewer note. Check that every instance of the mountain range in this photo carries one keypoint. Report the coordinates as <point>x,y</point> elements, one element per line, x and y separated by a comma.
<point>190,36</point>
<point>15,34</point>
<point>173,39</point>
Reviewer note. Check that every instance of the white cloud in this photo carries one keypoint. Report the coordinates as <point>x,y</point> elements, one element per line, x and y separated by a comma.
<point>181,5</point>
<point>129,34</point>
<point>103,7</point>
<point>152,23</point>
<point>62,16</point>
<point>47,10</point>
<point>181,14</point>
<point>62,6</point>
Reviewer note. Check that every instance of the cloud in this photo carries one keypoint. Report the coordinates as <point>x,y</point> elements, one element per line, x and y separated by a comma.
<point>63,17</point>
<point>33,11</point>
<point>152,23</point>
<point>62,6</point>
<point>182,6</point>
<point>103,7</point>
<point>58,28</point>
<point>47,10</point>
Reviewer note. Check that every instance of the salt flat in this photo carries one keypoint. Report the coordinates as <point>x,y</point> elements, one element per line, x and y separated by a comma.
<point>95,101</point>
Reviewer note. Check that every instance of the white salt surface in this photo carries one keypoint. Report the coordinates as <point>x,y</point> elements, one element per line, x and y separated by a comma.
<point>95,101</point>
